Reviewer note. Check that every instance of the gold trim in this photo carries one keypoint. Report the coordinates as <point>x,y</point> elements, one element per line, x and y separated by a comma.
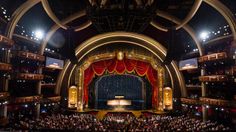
<point>61,76</point>
<point>143,41</point>
<point>136,56</point>
<point>50,13</point>
<point>83,26</point>
<point>158,26</point>
<point>191,14</point>
<point>72,70</point>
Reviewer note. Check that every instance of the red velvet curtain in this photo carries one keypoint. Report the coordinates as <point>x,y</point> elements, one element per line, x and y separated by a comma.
<point>120,67</point>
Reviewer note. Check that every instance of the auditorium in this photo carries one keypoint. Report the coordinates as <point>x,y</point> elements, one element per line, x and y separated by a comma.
<point>118,65</point>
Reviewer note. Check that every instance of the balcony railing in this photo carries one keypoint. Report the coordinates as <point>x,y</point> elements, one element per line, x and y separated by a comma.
<point>213,78</point>
<point>27,99</point>
<point>28,76</point>
<point>55,98</point>
<point>31,56</point>
<point>48,85</point>
<point>213,57</point>
<point>189,101</point>
<point>5,67</point>
<point>208,101</point>
<point>6,41</point>
<point>217,102</point>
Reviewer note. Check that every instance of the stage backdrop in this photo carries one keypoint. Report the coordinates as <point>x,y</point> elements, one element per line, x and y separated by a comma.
<point>121,67</point>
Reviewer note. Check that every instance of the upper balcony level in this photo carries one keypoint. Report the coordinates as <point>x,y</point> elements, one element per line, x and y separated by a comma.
<point>30,56</point>
<point>6,41</point>
<point>5,67</point>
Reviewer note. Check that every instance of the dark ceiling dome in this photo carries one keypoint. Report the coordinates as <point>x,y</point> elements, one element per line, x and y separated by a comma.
<point>121,15</point>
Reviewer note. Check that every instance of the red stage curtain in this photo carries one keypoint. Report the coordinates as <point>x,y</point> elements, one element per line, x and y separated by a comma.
<point>120,67</point>
<point>141,68</point>
<point>130,64</point>
<point>126,65</point>
<point>99,67</point>
<point>88,76</point>
<point>111,65</point>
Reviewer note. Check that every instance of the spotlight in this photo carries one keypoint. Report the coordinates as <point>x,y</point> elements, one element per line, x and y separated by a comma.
<point>204,35</point>
<point>39,34</point>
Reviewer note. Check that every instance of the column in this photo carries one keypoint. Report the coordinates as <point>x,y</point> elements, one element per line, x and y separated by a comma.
<point>38,87</point>
<point>204,109</point>
<point>80,89</point>
<point>160,92</point>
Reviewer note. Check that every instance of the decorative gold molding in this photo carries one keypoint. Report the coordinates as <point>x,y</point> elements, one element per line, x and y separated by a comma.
<point>83,26</point>
<point>158,26</point>
<point>132,38</point>
<point>50,13</point>
<point>135,56</point>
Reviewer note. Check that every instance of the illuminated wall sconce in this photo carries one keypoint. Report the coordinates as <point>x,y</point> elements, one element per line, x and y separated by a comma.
<point>167,98</point>
<point>72,97</point>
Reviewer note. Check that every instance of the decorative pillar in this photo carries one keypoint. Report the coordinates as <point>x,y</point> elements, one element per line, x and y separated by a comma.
<point>38,88</point>
<point>204,109</point>
<point>160,86</point>
<point>80,89</point>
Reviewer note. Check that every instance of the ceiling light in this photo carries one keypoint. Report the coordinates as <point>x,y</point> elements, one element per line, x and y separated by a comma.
<point>204,35</point>
<point>39,34</point>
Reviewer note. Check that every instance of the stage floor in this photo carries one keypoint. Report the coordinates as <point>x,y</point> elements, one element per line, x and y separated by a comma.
<point>101,113</point>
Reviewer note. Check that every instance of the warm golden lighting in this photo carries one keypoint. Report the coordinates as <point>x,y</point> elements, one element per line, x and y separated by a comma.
<point>118,102</point>
<point>167,98</point>
<point>72,97</point>
<point>120,55</point>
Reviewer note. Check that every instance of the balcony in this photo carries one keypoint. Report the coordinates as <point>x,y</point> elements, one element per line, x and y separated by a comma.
<point>213,57</point>
<point>6,41</point>
<point>30,56</point>
<point>213,78</point>
<point>4,95</point>
<point>28,99</point>
<point>190,101</point>
<point>48,85</point>
<point>216,102</point>
<point>55,98</point>
<point>5,67</point>
<point>28,76</point>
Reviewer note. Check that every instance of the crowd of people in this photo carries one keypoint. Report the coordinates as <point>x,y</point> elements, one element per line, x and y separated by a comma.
<point>116,122</point>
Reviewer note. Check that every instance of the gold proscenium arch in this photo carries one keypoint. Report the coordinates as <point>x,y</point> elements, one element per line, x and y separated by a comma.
<point>106,56</point>
<point>137,39</point>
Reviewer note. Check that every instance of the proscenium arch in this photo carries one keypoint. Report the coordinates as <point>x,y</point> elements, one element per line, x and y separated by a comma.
<point>153,46</point>
<point>68,64</point>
